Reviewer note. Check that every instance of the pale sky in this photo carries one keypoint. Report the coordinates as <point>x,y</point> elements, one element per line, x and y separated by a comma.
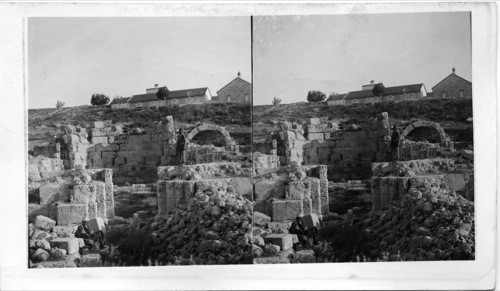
<point>71,58</point>
<point>294,54</point>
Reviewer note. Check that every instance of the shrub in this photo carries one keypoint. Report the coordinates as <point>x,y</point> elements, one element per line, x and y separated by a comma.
<point>162,93</point>
<point>59,104</point>
<point>276,101</point>
<point>378,89</point>
<point>315,96</point>
<point>99,99</point>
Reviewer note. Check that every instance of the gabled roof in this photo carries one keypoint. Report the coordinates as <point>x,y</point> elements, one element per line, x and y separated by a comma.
<point>336,97</point>
<point>237,79</point>
<point>452,74</point>
<point>178,94</point>
<point>187,93</point>
<point>396,90</point>
<point>120,100</point>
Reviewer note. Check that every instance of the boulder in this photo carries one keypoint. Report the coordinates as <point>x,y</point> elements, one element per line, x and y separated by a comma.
<point>283,240</point>
<point>257,251</point>
<point>305,256</point>
<point>260,219</point>
<point>44,223</point>
<point>40,255</point>
<point>41,243</point>
<point>91,260</point>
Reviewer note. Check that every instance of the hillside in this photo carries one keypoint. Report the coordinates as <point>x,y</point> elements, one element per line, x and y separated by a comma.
<point>44,124</point>
<point>451,114</point>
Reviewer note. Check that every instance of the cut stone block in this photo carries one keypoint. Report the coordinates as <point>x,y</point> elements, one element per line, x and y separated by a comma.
<point>307,206</point>
<point>298,190</point>
<point>279,210</point>
<point>311,220</point>
<point>260,219</point>
<point>48,194</point>
<point>305,256</point>
<point>79,212</point>
<point>44,223</point>
<point>67,243</point>
<point>97,224</point>
<point>325,199</point>
<point>293,208</point>
<point>83,194</point>
<point>283,240</point>
<point>63,214</point>
<point>375,185</point>
<point>92,210</point>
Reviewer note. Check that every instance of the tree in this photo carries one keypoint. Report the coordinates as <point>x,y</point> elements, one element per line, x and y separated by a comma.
<point>59,104</point>
<point>378,89</point>
<point>315,96</point>
<point>99,99</point>
<point>276,101</point>
<point>162,93</point>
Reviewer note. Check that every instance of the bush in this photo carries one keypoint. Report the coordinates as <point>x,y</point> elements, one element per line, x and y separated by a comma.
<point>315,96</point>
<point>378,89</point>
<point>276,101</point>
<point>99,99</point>
<point>162,93</point>
<point>59,104</point>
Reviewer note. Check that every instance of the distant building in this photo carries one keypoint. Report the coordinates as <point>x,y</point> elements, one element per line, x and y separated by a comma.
<point>238,90</point>
<point>395,93</point>
<point>453,86</point>
<point>338,99</point>
<point>178,97</point>
<point>119,103</point>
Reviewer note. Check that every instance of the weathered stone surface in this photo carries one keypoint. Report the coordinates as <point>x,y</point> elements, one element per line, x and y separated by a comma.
<point>91,260</point>
<point>43,222</point>
<point>78,213</point>
<point>97,224</point>
<point>40,255</point>
<point>83,194</point>
<point>271,260</point>
<point>293,209</point>
<point>311,220</point>
<point>68,244</point>
<point>260,219</point>
<point>305,256</point>
<point>298,190</point>
<point>284,241</point>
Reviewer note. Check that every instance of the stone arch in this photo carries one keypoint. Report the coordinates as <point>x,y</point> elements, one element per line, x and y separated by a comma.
<point>227,137</point>
<point>444,139</point>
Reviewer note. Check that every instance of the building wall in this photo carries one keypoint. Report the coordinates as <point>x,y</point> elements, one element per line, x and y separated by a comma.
<point>451,86</point>
<point>389,98</point>
<point>237,90</point>
<point>189,100</point>
<point>348,154</point>
<point>120,106</point>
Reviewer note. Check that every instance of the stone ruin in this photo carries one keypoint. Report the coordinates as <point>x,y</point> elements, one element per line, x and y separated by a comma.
<point>77,179</point>
<point>319,168</point>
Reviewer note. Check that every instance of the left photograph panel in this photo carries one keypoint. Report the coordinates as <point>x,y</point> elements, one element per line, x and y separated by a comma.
<point>139,141</point>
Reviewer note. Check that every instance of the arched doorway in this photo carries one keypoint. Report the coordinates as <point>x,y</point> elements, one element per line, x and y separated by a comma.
<point>222,135</point>
<point>426,130</point>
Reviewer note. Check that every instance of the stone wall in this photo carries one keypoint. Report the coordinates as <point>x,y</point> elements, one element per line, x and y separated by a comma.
<point>43,168</point>
<point>348,153</point>
<point>391,180</point>
<point>176,185</point>
<point>288,191</point>
<point>73,195</point>
<point>451,86</point>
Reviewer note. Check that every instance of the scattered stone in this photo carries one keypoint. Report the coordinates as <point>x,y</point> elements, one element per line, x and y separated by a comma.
<point>260,219</point>
<point>44,223</point>
<point>40,255</point>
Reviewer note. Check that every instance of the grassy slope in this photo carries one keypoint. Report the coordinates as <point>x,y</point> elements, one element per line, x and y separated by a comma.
<point>43,124</point>
<point>451,114</point>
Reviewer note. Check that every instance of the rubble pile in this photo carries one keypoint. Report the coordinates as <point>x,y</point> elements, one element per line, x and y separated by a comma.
<point>213,227</point>
<point>429,222</point>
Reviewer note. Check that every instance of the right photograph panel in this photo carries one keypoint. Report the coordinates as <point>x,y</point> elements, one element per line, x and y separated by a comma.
<point>363,138</point>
